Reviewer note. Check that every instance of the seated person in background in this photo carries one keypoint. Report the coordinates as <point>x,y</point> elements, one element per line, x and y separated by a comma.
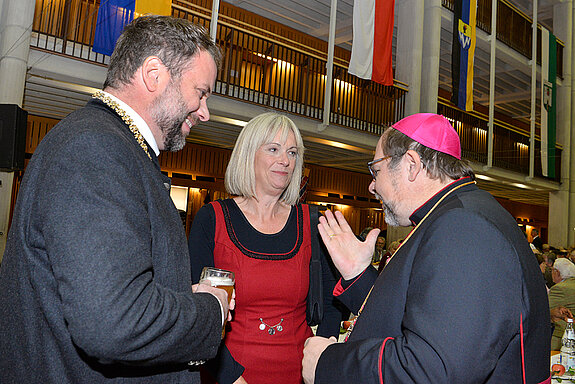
<point>379,249</point>
<point>562,294</point>
<point>547,268</point>
<point>392,248</point>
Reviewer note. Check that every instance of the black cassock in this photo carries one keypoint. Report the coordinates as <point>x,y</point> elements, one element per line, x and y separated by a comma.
<point>454,305</point>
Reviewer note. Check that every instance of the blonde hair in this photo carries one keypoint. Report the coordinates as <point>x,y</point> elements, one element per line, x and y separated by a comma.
<point>240,178</point>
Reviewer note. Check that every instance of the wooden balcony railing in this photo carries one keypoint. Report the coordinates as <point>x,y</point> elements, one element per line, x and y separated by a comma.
<point>67,27</point>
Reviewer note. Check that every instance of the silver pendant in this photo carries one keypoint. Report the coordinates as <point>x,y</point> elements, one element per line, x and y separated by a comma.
<point>271,328</point>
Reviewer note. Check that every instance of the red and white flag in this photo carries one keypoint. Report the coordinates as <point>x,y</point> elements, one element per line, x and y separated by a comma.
<point>372,37</point>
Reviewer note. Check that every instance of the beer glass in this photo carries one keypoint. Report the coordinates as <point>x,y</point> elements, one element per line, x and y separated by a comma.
<point>222,279</point>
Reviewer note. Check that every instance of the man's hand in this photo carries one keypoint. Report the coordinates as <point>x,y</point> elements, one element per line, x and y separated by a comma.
<point>240,380</point>
<point>350,255</point>
<point>560,313</point>
<point>313,348</point>
<point>220,294</point>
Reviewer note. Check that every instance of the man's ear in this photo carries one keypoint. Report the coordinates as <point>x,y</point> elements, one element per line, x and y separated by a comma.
<point>154,74</point>
<point>413,164</point>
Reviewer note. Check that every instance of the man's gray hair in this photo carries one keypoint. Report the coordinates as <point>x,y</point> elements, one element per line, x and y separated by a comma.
<point>174,41</point>
<point>565,267</point>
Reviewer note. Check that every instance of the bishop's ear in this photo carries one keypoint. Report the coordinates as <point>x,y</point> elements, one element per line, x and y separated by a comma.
<point>413,163</point>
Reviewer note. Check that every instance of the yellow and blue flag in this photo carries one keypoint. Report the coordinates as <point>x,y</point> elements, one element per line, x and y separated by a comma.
<point>114,15</point>
<point>463,50</point>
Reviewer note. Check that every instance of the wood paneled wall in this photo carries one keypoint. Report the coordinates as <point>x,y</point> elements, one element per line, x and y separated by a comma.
<point>338,189</point>
<point>338,181</point>
<point>197,160</point>
<point>343,190</point>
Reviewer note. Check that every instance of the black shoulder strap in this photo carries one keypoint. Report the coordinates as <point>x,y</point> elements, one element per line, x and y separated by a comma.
<point>314,310</point>
<point>313,220</point>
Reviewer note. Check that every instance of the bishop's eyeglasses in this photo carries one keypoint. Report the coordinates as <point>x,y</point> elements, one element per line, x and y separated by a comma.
<point>374,172</point>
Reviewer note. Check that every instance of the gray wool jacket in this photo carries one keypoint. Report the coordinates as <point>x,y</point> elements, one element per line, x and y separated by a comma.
<point>95,282</point>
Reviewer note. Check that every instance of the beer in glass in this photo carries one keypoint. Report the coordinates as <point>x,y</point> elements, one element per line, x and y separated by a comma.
<point>222,279</point>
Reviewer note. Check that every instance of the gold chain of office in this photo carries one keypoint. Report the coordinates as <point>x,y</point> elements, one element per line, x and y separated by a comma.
<point>125,117</point>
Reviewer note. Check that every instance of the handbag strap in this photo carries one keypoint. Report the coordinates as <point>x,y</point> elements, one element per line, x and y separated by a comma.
<point>314,308</point>
<point>313,220</point>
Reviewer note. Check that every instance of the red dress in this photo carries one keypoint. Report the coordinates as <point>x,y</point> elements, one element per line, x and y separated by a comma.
<point>269,326</point>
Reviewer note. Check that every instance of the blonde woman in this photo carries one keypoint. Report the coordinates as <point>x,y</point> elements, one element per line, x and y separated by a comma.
<point>264,236</point>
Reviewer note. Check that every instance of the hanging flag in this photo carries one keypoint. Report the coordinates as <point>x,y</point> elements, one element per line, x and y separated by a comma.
<point>462,52</point>
<point>548,101</point>
<point>154,7</point>
<point>372,37</point>
<point>114,15</point>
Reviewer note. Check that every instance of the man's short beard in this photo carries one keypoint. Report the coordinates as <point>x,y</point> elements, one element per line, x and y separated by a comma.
<point>174,139</point>
<point>389,210</point>
<point>169,112</point>
<point>390,216</point>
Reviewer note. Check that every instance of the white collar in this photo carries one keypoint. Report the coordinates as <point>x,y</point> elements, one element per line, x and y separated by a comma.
<point>139,121</point>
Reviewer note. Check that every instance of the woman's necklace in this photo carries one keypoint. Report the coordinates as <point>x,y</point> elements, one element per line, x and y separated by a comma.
<point>271,328</point>
<point>125,117</point>
<point>350,329</point>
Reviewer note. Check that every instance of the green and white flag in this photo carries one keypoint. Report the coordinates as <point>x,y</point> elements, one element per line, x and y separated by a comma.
<point>548,101</point>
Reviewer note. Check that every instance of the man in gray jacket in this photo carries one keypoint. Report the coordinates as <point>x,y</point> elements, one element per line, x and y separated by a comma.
<point>95,282</point>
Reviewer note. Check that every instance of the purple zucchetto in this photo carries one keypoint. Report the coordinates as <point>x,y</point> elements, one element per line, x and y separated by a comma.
<point>431,130</point>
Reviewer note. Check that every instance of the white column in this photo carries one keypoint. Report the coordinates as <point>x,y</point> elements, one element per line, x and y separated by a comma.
<point>567,9</point>
<point>410,51</point>
<point>431,41</point>
<point>329,67</point>
<point>493,52</point>
<point>214,21</point>
<point>533,64</point>
<point>15,28</point>
<point>561,225</point>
